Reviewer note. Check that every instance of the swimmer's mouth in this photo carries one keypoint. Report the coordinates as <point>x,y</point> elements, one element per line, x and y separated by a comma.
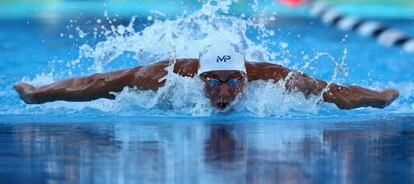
<point>222,105</point>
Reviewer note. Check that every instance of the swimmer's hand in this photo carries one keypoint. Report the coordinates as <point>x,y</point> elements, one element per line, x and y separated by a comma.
<point>386,97</point>
<point>25,91</point>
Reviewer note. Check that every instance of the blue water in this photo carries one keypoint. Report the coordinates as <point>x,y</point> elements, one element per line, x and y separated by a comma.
<point>208,151</point>
<point>88,143</point>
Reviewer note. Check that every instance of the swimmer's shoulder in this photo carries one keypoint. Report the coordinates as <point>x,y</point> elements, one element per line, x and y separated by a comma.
<point>186,67</point>
<point>265,71</point>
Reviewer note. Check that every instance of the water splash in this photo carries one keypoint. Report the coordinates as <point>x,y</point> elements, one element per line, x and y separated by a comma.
<point>265,98</point>
<point>185,36</point>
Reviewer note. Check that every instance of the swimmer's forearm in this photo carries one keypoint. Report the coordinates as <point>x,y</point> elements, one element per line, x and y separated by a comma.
<point>76,89</point>
<point>80,89</point>
<point>350,97</point>
<point>344,97</point>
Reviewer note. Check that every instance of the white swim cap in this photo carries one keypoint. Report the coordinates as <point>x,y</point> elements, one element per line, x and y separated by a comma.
<point>221,56</point>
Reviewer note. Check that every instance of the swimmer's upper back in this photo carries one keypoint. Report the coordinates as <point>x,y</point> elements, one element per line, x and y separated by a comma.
<point>188,67</point>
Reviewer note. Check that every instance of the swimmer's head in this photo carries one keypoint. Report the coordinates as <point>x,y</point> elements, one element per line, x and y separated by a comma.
<point>223,70</point>
<point>221,56</point>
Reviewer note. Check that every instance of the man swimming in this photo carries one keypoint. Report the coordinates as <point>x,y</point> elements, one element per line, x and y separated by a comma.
<point>224,73</point>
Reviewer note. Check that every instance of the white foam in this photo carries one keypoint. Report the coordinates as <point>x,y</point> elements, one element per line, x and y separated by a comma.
<point>265,98</point>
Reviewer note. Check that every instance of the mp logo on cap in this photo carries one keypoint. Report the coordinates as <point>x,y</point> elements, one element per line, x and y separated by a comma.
<point>223,59</point>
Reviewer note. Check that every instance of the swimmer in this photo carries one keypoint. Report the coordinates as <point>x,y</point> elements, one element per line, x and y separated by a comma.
<point>221,69</point>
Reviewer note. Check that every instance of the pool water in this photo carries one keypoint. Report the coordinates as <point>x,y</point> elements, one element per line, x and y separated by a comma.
<point>208,151</point>
<point>144,137</point>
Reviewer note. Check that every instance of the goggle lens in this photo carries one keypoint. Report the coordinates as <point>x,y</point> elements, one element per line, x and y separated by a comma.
<point>215,82</point>
<point>233,82</point>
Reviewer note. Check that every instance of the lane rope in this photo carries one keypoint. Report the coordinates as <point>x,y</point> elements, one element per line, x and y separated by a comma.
<point>385,35</point>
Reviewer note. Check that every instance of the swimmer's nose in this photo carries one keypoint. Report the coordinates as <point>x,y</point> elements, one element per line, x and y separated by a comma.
<point>224,97</point>
<point>224,91</point>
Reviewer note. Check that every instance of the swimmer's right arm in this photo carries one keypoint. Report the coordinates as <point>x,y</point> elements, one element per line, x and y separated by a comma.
<point>101,85</point>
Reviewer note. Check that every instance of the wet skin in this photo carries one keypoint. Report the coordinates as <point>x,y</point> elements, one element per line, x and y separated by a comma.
<point>102,85</point>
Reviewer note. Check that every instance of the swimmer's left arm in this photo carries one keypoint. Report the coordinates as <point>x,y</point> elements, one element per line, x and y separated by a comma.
<point>344,97</point>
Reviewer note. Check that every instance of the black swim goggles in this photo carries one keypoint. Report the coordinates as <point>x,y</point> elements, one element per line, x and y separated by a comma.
<point>213,82</point>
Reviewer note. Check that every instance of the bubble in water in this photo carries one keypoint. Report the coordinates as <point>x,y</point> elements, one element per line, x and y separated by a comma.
<point>283,45</point>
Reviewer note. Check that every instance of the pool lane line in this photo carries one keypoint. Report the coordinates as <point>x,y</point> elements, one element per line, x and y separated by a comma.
<point>384,35</point>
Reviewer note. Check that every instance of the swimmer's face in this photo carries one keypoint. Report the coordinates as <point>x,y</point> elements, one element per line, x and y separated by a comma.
<point>222,87</point>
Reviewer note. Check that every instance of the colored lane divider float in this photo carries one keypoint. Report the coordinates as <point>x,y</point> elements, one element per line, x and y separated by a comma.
<point>384,35</point>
